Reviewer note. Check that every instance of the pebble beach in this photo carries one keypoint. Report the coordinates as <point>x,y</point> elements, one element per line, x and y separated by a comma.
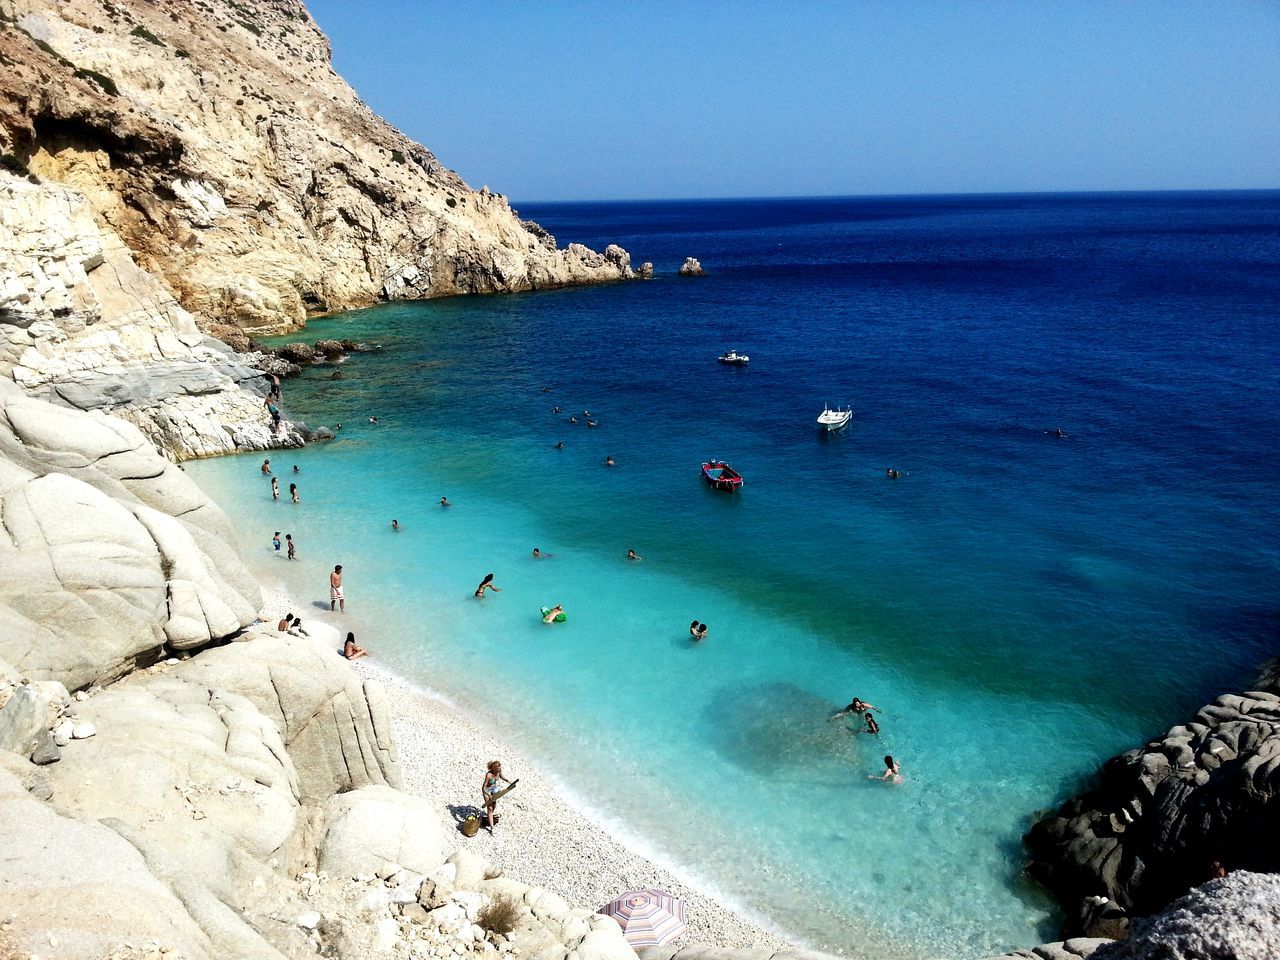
<point>544,838</point>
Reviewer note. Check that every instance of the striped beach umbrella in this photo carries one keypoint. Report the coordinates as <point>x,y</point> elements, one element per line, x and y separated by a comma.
<point>649,918</point>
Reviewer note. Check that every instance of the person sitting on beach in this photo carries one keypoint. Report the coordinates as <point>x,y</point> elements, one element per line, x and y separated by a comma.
<point>296,628</point>
<point>266,466</point>
<point>395,525</point>
<point>487,584</point>
<point>351,650</point>
<point>890,774</point>
<point>293,492</point>
<point>608,462</point>
<point>550,615</point>
<point>444,502</point>
<point>872,726</point>
<point>284,624</point>
<point>631,555</point>
<point>488,787</point>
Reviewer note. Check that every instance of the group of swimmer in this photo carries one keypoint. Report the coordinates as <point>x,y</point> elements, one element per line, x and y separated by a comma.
<point>862,710</point>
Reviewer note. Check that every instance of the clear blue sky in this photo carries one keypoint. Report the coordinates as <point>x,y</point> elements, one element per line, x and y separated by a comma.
<point>562,101</point>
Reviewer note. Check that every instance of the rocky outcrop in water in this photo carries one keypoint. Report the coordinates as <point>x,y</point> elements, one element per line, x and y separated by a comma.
<point>1159,816</point>
<point>691,268</point>
<point>1236,918</point>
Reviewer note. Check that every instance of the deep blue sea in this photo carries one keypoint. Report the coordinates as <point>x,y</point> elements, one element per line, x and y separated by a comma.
<point>1020,606</point>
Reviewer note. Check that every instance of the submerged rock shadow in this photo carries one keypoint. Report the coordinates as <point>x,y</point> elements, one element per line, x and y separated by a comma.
<point>783,733</point>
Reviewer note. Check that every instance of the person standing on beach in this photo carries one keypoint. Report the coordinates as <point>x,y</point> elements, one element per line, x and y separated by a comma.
<point>293,492</point>
<point>275,489</point>
<point>293,547</point>
<point>488,787</point>
<point>335,590</point>
<point>275,541</point>
<point>486,584</point>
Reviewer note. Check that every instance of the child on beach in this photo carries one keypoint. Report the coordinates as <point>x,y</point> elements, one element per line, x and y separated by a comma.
<point>293,551</point>
<point>275,541</point>
<point>488,787</point>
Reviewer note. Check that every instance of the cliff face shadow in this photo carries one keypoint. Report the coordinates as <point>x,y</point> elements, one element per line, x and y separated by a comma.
<point>783,732</point>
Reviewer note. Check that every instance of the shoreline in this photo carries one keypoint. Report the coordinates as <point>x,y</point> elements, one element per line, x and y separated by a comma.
<point>545,838</point>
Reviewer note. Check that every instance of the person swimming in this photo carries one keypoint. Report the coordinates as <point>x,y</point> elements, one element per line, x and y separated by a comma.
<point>573,419</point>
<point>891,771</point>
<point>609,462</point>
<point>539,555</point>
<point>631,555</point>
<point>698,631</point>
<point>559,444</point>
<point>856,705</point>
<point>872,726</point>
<point>487,584</point>
<point>395,525</point>
<point>444,502</point>
<point>555,409</point>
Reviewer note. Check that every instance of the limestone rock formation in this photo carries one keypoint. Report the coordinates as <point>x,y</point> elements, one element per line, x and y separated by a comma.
<point>216,140</point>
<point>691,268</point>
<point>369,827</point>
<point>111,551</point>
<point>1236,918</point>
<point>82,325</point>
<point>1208,790</point>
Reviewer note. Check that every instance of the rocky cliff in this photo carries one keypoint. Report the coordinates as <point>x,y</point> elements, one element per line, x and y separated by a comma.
<point>171,169</point>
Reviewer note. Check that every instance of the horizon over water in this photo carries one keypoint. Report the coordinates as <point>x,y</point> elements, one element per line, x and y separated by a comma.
<point>1020,606</point>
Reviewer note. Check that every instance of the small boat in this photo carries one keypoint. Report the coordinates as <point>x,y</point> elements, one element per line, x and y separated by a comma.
<point>721,476</point>
<point>834,419</point>
<point>734,359</point>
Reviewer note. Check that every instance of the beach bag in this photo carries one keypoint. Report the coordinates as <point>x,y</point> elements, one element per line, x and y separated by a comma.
<point>471,826</point>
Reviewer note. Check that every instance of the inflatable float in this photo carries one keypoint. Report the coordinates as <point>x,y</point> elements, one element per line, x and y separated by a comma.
<point>559,618</point>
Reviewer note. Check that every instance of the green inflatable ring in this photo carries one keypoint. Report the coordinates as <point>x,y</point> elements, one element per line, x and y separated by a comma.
<point>559,618</point>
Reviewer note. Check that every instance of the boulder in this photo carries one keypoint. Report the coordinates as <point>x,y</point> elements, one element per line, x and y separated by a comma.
<point>1156,818</point>
<point>302,354</point>
<point>691,268</point>
<point>335,726</point>
<point>104,535</point>
<point>330,349</point>
<point>97,892</point>
<point>1234,918</point>
<point>371,825</point>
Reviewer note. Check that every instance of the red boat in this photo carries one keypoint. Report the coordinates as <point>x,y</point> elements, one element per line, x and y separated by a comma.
<point>721,476</point>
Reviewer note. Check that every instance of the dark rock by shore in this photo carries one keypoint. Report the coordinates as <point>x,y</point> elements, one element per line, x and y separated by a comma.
<point>1160,817</point>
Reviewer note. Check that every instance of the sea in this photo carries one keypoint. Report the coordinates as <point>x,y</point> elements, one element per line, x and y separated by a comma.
<point>1019,605</point>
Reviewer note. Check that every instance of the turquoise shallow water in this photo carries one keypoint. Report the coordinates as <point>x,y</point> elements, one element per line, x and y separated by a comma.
<point>1019,606</point>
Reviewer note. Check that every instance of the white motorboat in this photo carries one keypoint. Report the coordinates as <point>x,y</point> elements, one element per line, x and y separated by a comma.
<point>734,358</point>
<point>834,419</point>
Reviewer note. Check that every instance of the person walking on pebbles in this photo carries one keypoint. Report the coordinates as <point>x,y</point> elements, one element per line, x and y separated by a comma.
<point>488,787</point>
<point>335,590</point>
